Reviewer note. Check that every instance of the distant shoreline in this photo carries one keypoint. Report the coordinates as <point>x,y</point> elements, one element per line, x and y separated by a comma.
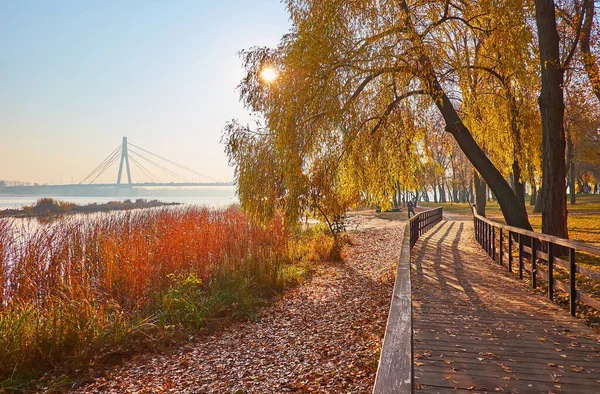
<point>48,207</point>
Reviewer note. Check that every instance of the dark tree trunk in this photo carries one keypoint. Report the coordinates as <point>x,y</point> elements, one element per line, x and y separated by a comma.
<point>571,167</point>
<point>435,199</point>
<point>533,197</point>
<point>589,60</point>
<point>480,200</point>
<point>519,187</point>
<point>551,102</point>
<point>471,196</point>
<point>514,213</point>
<point>539,200</point>
<point>572,183</point>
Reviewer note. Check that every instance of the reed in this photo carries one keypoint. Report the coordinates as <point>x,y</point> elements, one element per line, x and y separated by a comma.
<point>80,283</point>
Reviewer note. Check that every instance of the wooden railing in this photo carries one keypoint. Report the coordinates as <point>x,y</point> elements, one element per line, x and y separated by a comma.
<point>395,370</point>
<point>534,247</point>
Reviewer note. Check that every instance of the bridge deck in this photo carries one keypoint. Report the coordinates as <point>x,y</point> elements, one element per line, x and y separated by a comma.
<point>478,329</point>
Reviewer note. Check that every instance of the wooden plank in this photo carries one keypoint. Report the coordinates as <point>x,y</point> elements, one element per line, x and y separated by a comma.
<point>471,321</point>
<point>395,370</point>
<point>588,300</point>
<point>495,371</point>
<point>583,297</point>
<point>595,275</point>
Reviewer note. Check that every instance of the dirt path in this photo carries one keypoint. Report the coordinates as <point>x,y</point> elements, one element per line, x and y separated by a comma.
<point>324,336</point>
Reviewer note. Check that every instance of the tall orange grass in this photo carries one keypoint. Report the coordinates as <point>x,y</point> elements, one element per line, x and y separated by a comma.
<point>75,284</point>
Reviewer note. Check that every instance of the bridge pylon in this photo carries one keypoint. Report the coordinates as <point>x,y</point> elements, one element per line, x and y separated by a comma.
<point>124,159</point>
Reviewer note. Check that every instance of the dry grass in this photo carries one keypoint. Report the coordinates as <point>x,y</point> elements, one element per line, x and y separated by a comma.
<point>72,287</point>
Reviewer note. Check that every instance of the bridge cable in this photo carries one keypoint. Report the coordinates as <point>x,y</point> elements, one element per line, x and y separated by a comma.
<point>177,164</point>
<point>107,166</point>
<point>144,170</point>
<point>173,174</point>
<point>103,163</point>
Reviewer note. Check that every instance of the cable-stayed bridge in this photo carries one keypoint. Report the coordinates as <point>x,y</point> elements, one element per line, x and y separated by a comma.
<point>152,166</point>
<point>151,171</point>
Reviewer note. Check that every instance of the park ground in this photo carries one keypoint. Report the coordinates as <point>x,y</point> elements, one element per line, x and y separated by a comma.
<point>323,336</point>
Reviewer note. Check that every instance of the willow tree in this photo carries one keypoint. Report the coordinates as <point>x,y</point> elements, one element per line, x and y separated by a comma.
<point>360,73</point>
<point>498,95</point>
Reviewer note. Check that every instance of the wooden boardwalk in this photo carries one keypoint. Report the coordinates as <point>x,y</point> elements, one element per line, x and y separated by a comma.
<point>479,329</point>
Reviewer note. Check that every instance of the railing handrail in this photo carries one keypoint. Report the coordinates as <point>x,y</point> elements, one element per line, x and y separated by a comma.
<point>578,245</point>
<point>539,246</point>
<point>395,370</point>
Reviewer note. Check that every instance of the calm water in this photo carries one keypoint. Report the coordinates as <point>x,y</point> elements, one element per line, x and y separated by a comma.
<point>214,197</point>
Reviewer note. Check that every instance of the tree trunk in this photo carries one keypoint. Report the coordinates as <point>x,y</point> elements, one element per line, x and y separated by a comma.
<point>514,213</point>
<point>571,167</point>
<point>551,102</point>
<point>480,200</point>
<point>471,195</point>
<point>519,187</point>
<point>533,196</point>
<point>572,183</point>
<point>539,200</point>
<point>589,60</point>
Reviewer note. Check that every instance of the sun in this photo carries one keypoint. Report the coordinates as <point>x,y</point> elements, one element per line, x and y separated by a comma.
<point>269,74</point>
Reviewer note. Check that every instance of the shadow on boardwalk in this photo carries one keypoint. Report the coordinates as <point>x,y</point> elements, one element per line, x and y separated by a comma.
<point>478,329</point>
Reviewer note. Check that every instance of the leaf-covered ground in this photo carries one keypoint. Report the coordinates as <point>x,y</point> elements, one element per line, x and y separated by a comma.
<point>324,336</point>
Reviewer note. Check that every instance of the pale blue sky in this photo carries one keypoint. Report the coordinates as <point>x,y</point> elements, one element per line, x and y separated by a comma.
<point>76,76</point>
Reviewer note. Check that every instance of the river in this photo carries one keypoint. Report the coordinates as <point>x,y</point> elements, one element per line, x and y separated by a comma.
<point>207,196</point>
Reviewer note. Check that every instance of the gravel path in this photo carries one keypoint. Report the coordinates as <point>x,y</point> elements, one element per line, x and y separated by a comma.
<point>324,336</point>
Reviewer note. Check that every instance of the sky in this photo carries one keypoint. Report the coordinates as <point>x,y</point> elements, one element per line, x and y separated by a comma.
<point>77,76</point>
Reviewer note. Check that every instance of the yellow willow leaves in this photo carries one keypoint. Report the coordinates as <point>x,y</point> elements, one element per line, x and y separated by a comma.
<point>351,113</point>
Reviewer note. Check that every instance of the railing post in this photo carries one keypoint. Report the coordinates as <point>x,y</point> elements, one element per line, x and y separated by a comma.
<point>490,244</point>
<point>520,256</point>
<point>490,252</point>
<point>510,251</point>
<point>533,262</point>
<point>501,246</point>
<point>487,238</point>
<point>551,271</point>
<point>493,243</point>
<point>572,290</point>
